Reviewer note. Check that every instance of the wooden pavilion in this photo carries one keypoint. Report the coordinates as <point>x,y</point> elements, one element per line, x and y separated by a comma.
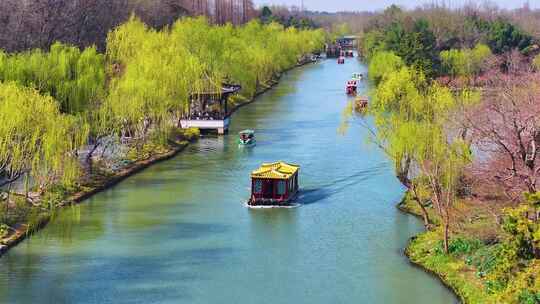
<point>209,110</point>
<point>347,42</point>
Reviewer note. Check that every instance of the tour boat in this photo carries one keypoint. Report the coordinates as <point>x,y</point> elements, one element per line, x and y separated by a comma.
<point>357,76</point>
<point>351,87</point>
<point>246,138</point>
<point>341,60</point>
<point>361,103</point>
<point>274,185</point>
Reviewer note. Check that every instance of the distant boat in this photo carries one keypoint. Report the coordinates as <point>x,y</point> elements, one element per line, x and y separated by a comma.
<point>361,104</point>
<point>246,138</point>
<point>358,76</point>
<point>274,185</point>
<point>341,60</point>
<point>351,87</point>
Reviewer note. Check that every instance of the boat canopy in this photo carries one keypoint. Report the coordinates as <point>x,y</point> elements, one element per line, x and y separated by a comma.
<point>277,170</point>
<point>248,132</point>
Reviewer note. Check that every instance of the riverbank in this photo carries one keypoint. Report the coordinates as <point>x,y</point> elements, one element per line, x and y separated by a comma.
<point>422,251</point>
<point>480,267</point>
<point>96,182</point>
<point>100,181</point>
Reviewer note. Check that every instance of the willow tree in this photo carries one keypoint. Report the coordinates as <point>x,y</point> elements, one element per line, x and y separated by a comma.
<point>156,72</point>
<point>396,101</point>
<point>156,81</point>
<point>383,63</point>
<point>406,107</point>
<point>441,159</point>
<point>75,79</point>
<point>36,138</point>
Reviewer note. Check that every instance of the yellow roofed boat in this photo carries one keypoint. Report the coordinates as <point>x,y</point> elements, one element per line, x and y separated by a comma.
<point>274,185</point>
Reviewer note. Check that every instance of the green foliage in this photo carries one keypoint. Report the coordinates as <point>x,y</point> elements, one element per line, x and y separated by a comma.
<point>162,69</point>
<point>191,134</point>
<point>524,232</point>
<point>485,259</point>
<point>504,36</point>
<point>76,79</point>
<point>18,212</point>
<point>35,136</point>
<point>460,246</point>
<point>4,230</point>
<point>372,43</point>
<point>415,44</point>
<point>536,62</point>
<point>529,297</point>
<point>465,62</point>
<point>382,64</point>
<point>287,20</point>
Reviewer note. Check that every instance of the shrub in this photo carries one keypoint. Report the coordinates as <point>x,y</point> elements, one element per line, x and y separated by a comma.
<point>460,246</point>
<point>4,230</point>
<point>192,133</point>
<point>529,297</point>
<point>536,62</point>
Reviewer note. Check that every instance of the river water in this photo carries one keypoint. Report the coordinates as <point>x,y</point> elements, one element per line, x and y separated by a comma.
<point>178,231</point>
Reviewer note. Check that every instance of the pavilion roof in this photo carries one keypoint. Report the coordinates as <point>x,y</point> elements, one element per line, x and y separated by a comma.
<point>277,170</point>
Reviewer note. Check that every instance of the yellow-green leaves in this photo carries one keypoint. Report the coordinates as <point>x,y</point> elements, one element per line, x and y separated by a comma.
<point>36,137</point>
<point>382,64</point>
<point>76,79</point>
<point>161,69</point>
<point>465,62</point>
<point>536,62</point>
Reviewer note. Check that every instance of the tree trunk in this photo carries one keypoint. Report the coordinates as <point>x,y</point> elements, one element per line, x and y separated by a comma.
<point>446,238</point>
<point>413,191</point>
<point>26,185</point>
<point>425,214</point>
<point>90,155</point>
<point>446,223</point>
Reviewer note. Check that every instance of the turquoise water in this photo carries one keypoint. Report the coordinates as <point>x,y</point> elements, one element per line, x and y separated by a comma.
<point>178,232</point>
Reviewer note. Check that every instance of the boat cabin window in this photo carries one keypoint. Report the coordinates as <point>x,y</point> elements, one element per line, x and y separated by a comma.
<point>281,187</point>
<point>258,186</point>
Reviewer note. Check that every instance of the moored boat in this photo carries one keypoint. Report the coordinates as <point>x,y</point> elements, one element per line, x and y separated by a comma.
<point>246,138</point>
<point>274,185</point>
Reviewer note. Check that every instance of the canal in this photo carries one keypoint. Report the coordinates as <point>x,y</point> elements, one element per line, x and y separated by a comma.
<point>178,232</point>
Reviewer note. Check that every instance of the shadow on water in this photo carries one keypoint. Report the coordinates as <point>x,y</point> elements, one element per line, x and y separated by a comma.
<point>313,195</point>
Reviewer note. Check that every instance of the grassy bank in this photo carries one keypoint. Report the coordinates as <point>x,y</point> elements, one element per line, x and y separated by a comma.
<point>479,267</point>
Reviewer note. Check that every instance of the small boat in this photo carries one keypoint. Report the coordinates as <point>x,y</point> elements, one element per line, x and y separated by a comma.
<point>358,76</point>
<point>341,60</point>
<point>349,53</point>
<point>351,87</point>
<point>246,138</point>
<point>274,185</point>
<point>361,103</point>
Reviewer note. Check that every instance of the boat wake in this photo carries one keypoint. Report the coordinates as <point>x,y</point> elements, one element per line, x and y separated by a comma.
<point>289,206</point>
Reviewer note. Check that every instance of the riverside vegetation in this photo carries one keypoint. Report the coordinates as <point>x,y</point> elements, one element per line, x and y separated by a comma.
<point>456,106</point>
<point>73,119</point>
